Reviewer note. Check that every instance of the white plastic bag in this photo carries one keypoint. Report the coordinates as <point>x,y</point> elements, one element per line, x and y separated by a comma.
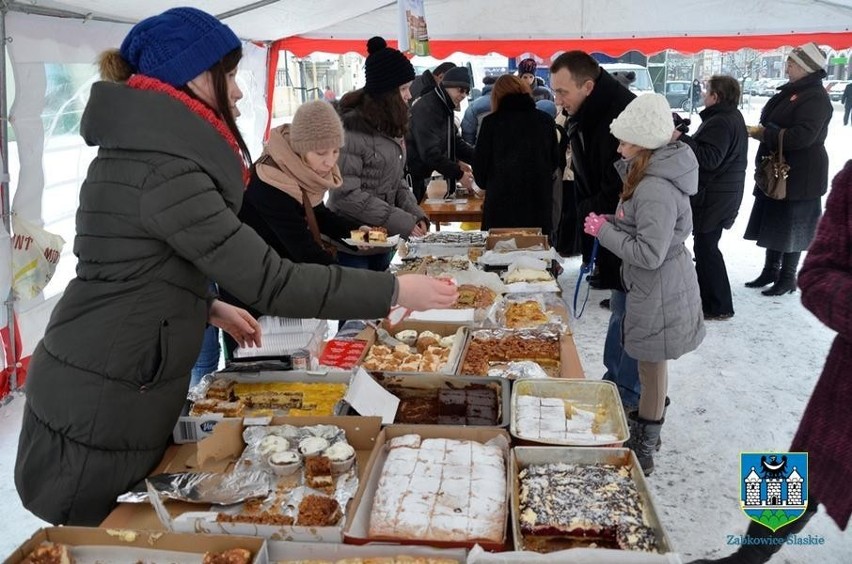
<point>35,253</point>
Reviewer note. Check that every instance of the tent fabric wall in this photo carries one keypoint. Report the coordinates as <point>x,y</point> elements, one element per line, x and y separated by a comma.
<point>36,41</point>
<point>302,46</point>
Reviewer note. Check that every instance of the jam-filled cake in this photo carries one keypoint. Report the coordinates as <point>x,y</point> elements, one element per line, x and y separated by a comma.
<point>567,505</point>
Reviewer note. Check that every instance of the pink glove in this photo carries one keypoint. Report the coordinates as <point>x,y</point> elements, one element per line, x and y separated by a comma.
<point>593,224</point>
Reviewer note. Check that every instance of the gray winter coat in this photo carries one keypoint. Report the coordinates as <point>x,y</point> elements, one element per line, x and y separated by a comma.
<point>663,318</point>
<point>374,190</point>
<point>157,220</point>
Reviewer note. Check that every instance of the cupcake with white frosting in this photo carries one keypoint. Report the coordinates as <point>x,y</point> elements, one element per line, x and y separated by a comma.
<point>341,455</point>
<point>272,444</point>
<point>312,446</point>
<point>284,463</point>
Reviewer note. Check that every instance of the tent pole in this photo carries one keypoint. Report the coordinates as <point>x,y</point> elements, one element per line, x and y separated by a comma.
<point>6,199</point>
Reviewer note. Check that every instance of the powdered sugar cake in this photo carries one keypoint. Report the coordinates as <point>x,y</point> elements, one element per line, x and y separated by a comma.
<point>440,490</point>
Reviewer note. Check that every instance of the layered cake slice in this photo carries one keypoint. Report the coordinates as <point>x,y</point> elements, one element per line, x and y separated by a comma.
<point>567,505</point>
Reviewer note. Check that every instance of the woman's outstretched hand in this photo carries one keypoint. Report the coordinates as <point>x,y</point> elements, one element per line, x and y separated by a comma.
<point>419,292</point>
<point>235,321</point>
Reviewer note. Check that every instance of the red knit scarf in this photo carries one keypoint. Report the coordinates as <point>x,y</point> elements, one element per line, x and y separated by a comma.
<point>202,110</point>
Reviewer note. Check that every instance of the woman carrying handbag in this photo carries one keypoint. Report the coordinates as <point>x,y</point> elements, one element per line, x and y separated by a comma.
<point>802,111</point>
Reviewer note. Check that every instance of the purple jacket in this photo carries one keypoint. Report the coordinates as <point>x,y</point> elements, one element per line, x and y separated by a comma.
<point>826,282</point>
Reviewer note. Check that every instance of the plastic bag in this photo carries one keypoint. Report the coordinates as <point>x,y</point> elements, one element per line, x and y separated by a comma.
<point>35,253</point>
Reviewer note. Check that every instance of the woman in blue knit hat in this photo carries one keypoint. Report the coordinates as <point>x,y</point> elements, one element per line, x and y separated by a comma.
<point>157,220</point>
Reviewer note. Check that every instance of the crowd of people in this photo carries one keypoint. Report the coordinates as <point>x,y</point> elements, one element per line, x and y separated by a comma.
<point>179,231</point>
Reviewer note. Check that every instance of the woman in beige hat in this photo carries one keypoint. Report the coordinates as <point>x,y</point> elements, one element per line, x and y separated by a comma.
<point>284,198</point>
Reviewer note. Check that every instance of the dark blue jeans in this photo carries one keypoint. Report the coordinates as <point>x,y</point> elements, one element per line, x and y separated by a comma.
<point>621,369</point>
<point>208,358</point>
<point>379,263</point>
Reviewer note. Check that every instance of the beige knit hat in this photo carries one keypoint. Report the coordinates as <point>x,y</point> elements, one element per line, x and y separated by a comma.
<point>809,57</point>
<point>646,122</point>
<point>316,126</point>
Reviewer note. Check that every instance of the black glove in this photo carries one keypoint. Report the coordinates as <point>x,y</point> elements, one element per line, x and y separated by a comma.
<point>680,123</point>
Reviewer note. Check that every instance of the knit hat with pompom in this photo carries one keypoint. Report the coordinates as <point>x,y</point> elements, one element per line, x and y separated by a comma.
<point>177,45</point>
<point>646,122</point>
<point>316,127</point>
<point>386,68</point>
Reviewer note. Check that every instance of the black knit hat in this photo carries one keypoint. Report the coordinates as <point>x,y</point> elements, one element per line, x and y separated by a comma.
<point>386,68</point>
<point>457,77</point>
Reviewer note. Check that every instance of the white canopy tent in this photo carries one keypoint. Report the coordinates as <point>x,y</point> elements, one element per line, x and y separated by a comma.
<point>47,160</point>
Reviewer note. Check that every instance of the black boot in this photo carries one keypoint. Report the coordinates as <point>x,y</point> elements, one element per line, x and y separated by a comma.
<point>663,420</point>
<point>786,283</point>
<point>633,414</point>
<point>761,553</point>
<point>644,435</point>
<point>771,270</point>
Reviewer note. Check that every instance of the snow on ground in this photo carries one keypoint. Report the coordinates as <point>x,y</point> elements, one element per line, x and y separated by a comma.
<point>744,389</point>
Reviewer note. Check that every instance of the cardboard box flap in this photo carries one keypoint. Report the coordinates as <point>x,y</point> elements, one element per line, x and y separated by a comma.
<point>226,443</point>
<point>125,545</point>
<point>368,397</point>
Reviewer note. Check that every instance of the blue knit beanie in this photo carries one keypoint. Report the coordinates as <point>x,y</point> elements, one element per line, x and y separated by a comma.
<point>177,45</point>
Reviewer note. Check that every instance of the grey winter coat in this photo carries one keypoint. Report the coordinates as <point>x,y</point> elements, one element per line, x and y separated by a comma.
<point>374,190</point>
<point>157,220</point>
<point>663,319</point>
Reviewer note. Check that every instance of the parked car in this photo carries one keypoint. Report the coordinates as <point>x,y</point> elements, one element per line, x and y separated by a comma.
<point>641,83</point>
<point>679,94</point>
<point>770,87</point>
<point>835,89</point>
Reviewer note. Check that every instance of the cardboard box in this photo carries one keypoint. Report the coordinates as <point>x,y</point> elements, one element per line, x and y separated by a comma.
<point>193,428</point>
<point>522,457</point>
<point>279,550</point>
<point>358,521</point>
<point>503,231</point>
<point>525,241</point>
<point>367,335</point>
<point>122,545</point>
<point>217,453</point>
<point>569,360</point>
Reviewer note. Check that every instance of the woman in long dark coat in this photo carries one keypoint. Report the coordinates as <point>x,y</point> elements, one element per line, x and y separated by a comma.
<point>517,154</point>
<point>786,227</point>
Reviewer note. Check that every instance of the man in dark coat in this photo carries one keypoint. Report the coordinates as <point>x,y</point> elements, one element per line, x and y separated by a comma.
<point>593,98</point>
<point>433,141</point>
<point>846,100</point>
<point>721,147</point>
<point>429,80</point>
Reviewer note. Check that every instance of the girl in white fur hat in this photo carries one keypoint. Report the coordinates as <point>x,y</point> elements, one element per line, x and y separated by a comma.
<point>663,318</point>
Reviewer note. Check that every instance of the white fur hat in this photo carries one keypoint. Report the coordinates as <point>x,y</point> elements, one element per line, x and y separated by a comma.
<point>646,122</point>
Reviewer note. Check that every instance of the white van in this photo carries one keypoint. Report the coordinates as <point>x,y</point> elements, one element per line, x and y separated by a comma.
<point>642,84</point>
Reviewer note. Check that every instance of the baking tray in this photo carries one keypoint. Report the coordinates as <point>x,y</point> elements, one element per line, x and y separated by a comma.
<point>585,394</point>
<point>521,457</point>
<point>552,370</point>
<point>429,384</point>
